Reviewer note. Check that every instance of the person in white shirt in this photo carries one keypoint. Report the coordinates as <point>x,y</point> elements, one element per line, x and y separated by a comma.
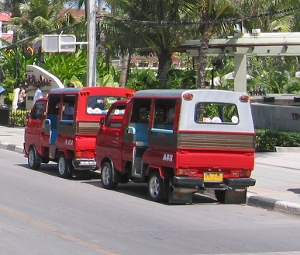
<point>38,93</point>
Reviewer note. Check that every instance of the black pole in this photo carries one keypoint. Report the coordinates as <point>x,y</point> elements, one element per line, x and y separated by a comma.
<point>212,77</point>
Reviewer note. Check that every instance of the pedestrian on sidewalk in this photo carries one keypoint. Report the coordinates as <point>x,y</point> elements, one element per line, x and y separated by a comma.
<point>21,97</point>
<point>38,93</point>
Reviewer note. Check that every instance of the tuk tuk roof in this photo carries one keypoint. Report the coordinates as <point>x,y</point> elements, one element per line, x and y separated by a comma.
<point>103,90</point>
<point>160,93</point>
<point>177,93</point>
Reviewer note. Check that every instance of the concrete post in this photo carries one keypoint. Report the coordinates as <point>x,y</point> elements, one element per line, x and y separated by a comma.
<point>92,54</point>
<point>240,71</point>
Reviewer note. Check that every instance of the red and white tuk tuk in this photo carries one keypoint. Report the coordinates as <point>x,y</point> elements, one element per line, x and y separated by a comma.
<point>179,142</point>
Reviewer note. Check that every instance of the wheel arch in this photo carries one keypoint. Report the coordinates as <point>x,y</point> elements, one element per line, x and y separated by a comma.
<point>108,160</point>
<point>163,172</point>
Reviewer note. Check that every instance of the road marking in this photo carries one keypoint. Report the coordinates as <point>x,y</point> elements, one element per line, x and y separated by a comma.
<point>52,230</point>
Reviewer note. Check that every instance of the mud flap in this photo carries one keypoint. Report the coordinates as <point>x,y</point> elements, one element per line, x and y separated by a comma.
<point>176,197</point>
<point>238,196</point>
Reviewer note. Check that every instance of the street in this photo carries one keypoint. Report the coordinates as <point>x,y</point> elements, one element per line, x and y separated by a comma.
<point>44,214</point>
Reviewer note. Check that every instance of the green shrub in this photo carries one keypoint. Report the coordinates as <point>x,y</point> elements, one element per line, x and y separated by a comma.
<point>18,118</point>
<point>268,139</point>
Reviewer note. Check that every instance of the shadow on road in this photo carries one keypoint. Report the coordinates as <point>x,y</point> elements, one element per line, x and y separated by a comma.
<point>132,189</point>
<point>139,190</point>
<point>51,169</point>
<point>295,191</point>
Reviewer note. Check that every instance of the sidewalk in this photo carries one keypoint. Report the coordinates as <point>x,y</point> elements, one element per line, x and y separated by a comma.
<point>277,175</point>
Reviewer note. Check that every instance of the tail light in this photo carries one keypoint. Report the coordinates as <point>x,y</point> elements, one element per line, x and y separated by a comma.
<point>129,94</point>
<point>245,174</point>
<point>79,154</point>
<point>84,93</point>
<point>244,98</point>
<point>188,96</point>
<point>188,172</point>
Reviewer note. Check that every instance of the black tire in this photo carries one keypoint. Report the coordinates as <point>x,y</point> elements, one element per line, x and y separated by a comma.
<point>107,176</point>
<point>220,196</point>
<point>33,159</point>
<point>156,187</point>
<point>63,167</point>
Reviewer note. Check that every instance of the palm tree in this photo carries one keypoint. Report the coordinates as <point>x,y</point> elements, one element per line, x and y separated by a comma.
<point>13,7</point>
<point>210,11</point>
<point>149,29</point>
<point>40,17</point>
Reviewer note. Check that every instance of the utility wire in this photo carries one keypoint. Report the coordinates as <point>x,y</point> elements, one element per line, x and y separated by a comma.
<point>165,23</point>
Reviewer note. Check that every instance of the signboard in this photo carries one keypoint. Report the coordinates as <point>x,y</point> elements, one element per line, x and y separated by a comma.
<point>58,43</point>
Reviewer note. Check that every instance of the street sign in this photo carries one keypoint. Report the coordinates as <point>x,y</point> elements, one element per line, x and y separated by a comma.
<point>58,43</point>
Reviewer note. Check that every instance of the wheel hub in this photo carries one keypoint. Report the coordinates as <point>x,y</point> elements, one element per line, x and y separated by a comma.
<point>154,187</point>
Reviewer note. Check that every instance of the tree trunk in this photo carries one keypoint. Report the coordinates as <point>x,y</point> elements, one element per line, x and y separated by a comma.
<point>164,66</point>
<point>124,69</point>
<point>202,61</point>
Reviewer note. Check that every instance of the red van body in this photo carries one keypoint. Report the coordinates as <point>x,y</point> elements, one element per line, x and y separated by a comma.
<point>180,142</point>
<point>62,127</point>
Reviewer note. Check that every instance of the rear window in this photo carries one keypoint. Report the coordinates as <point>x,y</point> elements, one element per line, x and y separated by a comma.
<point>216,113</point>
<point>100,104</point>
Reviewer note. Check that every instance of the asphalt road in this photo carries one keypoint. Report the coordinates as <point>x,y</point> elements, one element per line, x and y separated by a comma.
<point>41,213</point>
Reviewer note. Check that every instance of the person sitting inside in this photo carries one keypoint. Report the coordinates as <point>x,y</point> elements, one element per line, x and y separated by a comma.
<point>68,112</point>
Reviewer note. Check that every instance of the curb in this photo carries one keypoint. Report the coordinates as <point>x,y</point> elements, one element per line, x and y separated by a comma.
<point>273,205</point>
<point>287,149</point>
<point>12,147</point>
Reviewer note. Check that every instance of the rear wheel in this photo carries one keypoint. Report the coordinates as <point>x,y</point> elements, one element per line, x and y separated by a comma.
<point>155,187</point>
<point>33,159</point>
<point>107,176</point>
<point>63,166</point>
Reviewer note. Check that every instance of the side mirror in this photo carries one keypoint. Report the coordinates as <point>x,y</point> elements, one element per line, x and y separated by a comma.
<point>102,121</point>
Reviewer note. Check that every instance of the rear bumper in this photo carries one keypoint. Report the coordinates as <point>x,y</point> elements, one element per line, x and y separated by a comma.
<point>84,164</point>
<point>188,182</point>
<point>239,183</point>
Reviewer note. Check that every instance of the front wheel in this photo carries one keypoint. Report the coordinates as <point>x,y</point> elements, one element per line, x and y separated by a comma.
<point>33,160</point>
<point>155,187</point>
<point>107,176</point>
<point>63,166</point>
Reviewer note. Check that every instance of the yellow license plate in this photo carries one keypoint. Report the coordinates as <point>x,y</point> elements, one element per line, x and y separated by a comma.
<point>213,177</point>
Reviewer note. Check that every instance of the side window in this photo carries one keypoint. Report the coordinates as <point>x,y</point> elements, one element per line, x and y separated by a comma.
<point>36,113</point>
<point>164,114</point>
<point>68,109</point>
<point>141,111</point>
<point>214,113</point>
<point>116,116</point>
